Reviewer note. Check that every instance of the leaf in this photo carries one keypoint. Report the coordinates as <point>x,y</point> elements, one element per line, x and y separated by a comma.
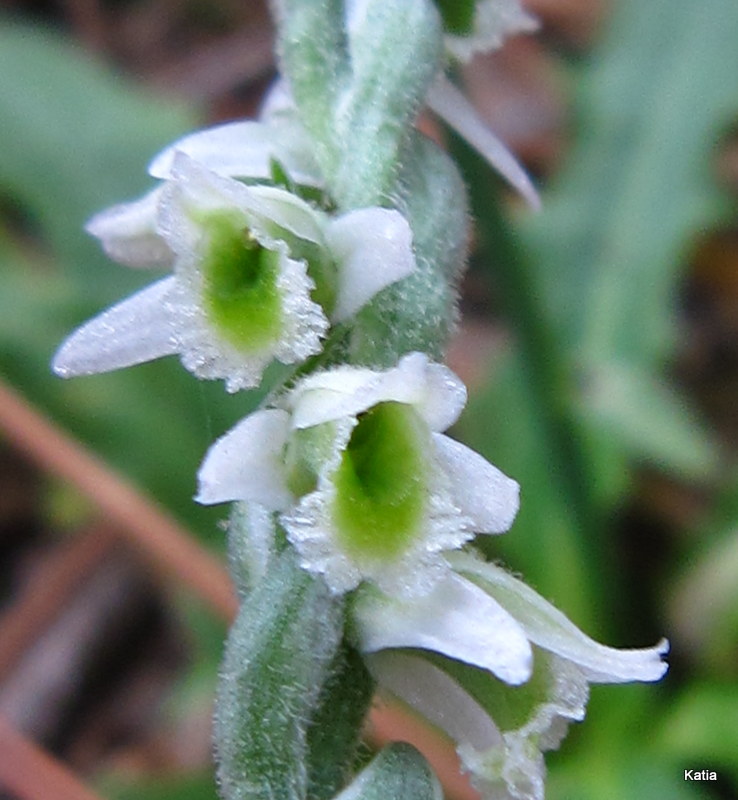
<point>399,771</point>
<point>698,729</point>
<point>648,418</point>
<point>79,140</point>
<point>612,235</point>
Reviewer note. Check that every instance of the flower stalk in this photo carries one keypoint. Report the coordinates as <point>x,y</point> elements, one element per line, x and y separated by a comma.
<point>329,236</point>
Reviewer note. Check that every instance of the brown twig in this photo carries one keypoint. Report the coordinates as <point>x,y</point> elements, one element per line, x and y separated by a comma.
<point>32,774</point>
<point>42,601</point>
<point>143,523</point>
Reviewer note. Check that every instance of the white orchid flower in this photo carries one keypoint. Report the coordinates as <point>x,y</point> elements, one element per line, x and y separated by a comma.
<point>257,275</point>
<point>368,487</point>
<point>471,28</point>
<point>483,25</point>
<point>245,149</point>
<point>436,653</point>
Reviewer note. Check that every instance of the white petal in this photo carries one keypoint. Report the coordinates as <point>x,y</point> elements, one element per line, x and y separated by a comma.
<point>245,150</point>
<point>288,211</point>
<point>373,248</point>
<point>235,148</point>
<point>128,233</point>
<point>451,105</point>
<point>269,211</point>
<point>437,696</point>
<point>138,329</point>
<point>247,463</point>
<point>548,628</point>
<point>456,619</point>
<point>436,393</point>
<point>481,491</point>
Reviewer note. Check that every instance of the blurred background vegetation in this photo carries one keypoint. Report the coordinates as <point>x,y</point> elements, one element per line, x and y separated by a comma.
<point>599,338</point>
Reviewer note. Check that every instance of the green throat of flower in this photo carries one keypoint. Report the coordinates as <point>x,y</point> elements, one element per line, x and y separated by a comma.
<point>381,483</point>
<point>458,16</point>
<point>240,293</point>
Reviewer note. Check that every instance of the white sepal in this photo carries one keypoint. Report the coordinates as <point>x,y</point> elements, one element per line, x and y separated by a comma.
<point>481,491</point>
<point>268,210</point>
<point>453,107</point>
<point>128,233</point>
<point>437,696</point>
<point>515,769</point>
<point>138,329</point>
<point>456,618</point>
<point>247,463</point>
<point>245,150</point>
<point>551,630</point>
<point>374,248</point>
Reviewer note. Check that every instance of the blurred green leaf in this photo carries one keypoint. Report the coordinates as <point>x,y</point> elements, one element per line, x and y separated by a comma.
<point>610,242</point>
<point>75,138</point>
<point>545,542</point>
<point>654,102</point>
<point>195,787</point>
<point>636,777</point>
<point>700,728</point>
<point>648,418</point>
<point>703,601</point>
<point>590,292</point>
<point>613,754</point>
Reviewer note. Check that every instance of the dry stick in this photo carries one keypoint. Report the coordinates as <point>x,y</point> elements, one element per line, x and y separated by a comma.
<point>140,521</point>
<point>41,602</point>
<point>170,547</point>
<point>31,774</point>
